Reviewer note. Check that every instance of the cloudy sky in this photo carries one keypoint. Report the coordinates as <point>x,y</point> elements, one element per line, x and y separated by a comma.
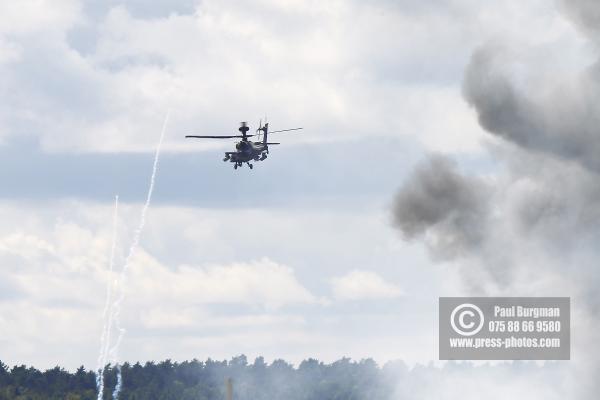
<point>450,148</point>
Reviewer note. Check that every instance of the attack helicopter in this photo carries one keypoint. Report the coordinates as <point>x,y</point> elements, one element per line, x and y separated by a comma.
<point>247,150</point>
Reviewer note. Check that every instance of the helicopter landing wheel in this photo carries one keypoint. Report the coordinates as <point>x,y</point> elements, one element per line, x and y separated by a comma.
<point>251,166</point>
<point>235,166</point>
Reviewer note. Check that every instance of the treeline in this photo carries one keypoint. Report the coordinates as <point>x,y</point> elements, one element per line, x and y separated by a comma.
<point>197,380</point>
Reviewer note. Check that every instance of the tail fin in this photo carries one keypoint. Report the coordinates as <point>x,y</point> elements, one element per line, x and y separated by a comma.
<point>265,130</point>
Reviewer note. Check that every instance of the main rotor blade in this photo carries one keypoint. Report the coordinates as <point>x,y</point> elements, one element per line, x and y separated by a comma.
<point>218,137</point>
<point>286,130</point>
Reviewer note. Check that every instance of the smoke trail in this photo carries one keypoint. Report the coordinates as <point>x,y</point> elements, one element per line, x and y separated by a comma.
<point>116,306</point>
<point>106,328</point>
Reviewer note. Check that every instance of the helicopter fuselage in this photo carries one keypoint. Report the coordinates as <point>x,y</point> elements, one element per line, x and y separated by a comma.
<point>247,151</point>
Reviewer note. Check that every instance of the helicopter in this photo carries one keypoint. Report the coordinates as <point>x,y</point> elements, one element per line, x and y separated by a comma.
<point>247,150</point>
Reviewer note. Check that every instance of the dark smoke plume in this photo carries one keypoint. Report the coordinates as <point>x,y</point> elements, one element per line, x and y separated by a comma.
<point>538,225</point>
<point>447,207</point>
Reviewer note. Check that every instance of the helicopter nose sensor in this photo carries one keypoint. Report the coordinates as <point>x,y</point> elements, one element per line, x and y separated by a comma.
<point>243,146</point>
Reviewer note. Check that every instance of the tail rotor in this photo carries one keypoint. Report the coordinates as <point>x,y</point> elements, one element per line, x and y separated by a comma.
<point>259,130</point>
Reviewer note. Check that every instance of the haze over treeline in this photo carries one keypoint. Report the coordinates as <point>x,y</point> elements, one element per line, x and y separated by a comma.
<point>205,380</point>
<point>310,380</point>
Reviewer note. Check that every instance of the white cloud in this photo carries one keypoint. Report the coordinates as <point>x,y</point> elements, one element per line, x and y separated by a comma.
<point>193,280</point>
<point>32,16</point>
<point>341,69</point>
<point>262,282</point>
<point>363,285</point>
<point>192,317</point>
